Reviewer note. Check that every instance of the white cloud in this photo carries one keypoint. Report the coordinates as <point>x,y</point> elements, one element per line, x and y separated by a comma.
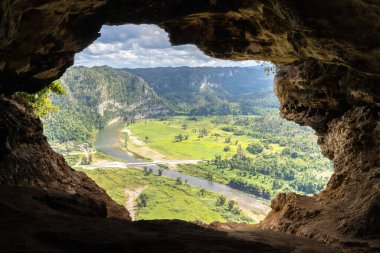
<point>142,46</point>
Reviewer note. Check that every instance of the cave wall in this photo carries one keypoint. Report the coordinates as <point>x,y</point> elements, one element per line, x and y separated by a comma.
<point>328,59</point>
<point>27,160</point>
<point>341,105</point>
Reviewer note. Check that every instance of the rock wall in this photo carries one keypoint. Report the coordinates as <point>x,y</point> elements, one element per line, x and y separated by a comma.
<point>339,103</point>
<point>328,57</point>
<point>38,39</point>
<point>27,160</point>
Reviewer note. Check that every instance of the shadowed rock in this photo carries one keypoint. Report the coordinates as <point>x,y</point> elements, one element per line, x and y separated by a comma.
<point>328,59</point>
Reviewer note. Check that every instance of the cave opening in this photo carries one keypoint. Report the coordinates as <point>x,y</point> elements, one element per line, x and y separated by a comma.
<point>202,138</point>
<point>327,57</point>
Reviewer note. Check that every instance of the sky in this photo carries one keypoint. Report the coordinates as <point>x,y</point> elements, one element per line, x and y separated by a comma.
<point>145,46</point>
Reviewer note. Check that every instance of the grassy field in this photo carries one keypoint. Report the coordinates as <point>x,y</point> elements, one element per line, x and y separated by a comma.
<point>161,137</point>
<point>166,198</point>
<point>262,155</point>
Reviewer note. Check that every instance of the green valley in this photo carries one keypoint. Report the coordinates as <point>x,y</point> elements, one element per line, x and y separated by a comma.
<point>263,155</point>
<point>218,127</point>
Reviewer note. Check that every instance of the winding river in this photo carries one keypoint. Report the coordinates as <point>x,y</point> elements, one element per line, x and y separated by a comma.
<point>108,141</point>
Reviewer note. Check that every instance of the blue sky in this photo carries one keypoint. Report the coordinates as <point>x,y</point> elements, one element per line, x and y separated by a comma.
<point>143,46</point>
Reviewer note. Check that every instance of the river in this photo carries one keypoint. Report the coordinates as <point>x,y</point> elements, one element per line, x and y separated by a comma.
<point>108,142</point>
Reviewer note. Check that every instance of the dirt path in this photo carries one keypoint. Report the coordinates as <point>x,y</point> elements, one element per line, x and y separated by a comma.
<point>131,202</point>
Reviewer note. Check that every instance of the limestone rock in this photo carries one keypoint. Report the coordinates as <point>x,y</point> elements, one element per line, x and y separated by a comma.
<point>27,160</point>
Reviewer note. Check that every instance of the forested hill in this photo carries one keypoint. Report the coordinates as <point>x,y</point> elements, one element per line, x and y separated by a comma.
<point>99,96</point>
<point>212,91</point>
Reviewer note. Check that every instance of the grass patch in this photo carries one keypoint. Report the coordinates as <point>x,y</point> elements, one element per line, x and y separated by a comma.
<point>73,159</point>
<point>99,156</point>
<point>166,198</point>
<point>161,135</point>
<point>140,157</point>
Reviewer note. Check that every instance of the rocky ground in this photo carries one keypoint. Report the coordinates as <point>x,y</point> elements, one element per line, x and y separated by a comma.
<point>41,221</point>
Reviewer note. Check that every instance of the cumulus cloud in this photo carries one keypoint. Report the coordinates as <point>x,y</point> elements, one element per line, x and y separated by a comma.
<point>143,46</point>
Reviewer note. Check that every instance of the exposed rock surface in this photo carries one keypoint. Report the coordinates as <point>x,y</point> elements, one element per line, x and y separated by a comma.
<point>340,104</point>
<point>329,65</point>
<point>29,223</point>
<point>26,159</point>
<point>38,39</point>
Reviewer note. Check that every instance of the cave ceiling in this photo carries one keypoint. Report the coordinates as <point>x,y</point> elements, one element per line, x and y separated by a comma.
<point>38,39</point>
<point>327,55</point>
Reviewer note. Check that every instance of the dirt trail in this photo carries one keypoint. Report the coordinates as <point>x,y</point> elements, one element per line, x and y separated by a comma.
<point>131,202</point>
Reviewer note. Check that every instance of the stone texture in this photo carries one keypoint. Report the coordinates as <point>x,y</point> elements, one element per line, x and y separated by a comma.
<point>38,39</point>
<point>340,105</point>
<point>26,159</point>
<point>328,58</point>
<point>28,224</point>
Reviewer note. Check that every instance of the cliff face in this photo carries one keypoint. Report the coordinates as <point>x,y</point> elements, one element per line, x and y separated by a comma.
<point>329,66</point>
<point>97,97</point>
<point>340,105</point>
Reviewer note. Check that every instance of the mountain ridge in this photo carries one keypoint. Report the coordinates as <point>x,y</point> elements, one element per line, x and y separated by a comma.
<point>102,95</point>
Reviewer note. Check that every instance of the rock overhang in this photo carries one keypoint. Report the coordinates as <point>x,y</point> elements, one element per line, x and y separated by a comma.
<point>328,58</point>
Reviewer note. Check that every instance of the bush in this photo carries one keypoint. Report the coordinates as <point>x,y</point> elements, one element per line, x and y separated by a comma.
<point>178,138</point>
<point>142,200</point>
<point>231,204</point>
<point>221,200</point>
<point>255,148</point>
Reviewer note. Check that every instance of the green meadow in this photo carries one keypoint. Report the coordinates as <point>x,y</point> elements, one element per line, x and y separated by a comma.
<point>166,198</point>
<point>262,154</point>
<point>206,139</point>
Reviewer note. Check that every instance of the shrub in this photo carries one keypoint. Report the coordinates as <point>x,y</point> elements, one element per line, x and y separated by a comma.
<point>221,200</point>
<point>142,200</point>
<point>255,148</point>
<point>231,204</point>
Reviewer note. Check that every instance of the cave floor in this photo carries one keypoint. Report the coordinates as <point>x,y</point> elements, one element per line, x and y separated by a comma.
<point>32,221</point>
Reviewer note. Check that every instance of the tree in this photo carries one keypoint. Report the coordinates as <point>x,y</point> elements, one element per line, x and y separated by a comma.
<point>240,152</point>
<point>39,103</point>
<point>178,138</point>
<point>221,200</point>
<point>231,204</point>
<point>210,176</point>
<point>203,132</point>
<point>255,148</point>
<point>147,171</point>
<point>164,166</point>
<point>142,200</point>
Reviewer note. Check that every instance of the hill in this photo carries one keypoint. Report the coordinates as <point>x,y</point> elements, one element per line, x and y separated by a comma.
<point>97,97</point>
<point>212,91</point>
